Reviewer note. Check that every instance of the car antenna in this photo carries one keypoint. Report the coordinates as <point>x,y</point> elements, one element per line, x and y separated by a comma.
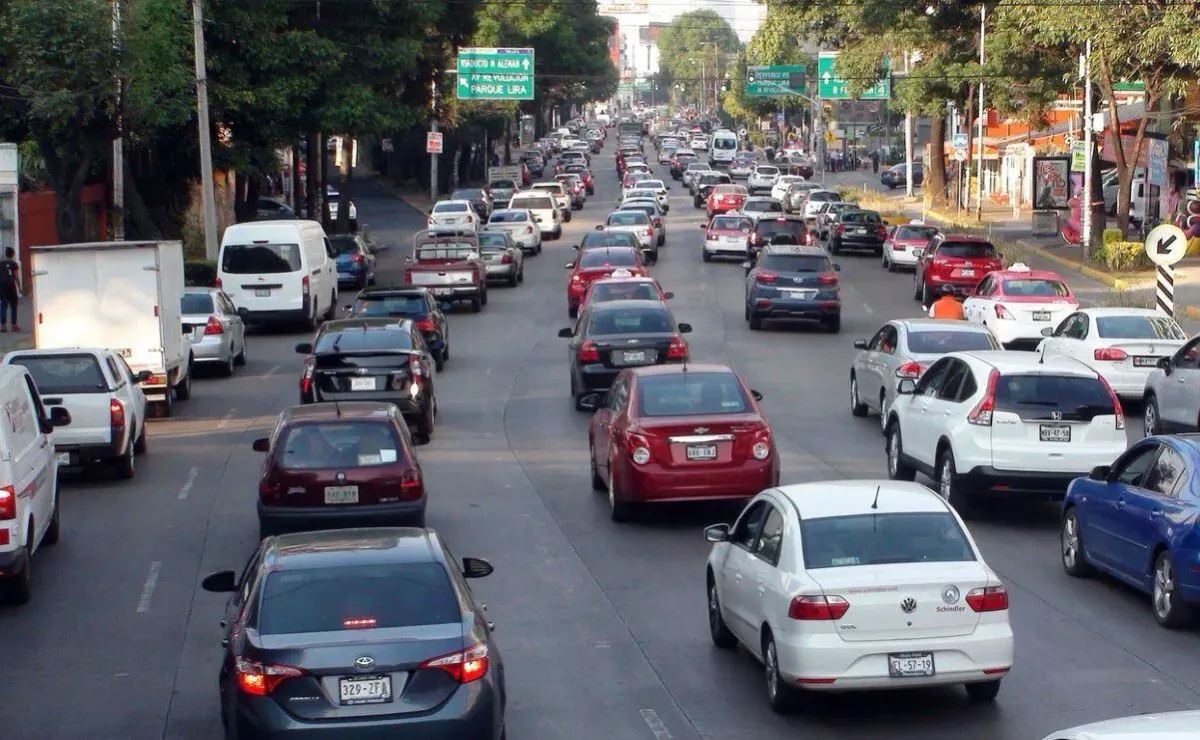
<point>875,503</point>
<point>337,408</point>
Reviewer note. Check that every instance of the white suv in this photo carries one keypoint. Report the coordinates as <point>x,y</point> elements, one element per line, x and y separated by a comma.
<point>762,177</point>
<point>1003,424</point>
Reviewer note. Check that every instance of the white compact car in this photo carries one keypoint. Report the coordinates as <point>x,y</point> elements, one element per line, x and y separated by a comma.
<point>655,189</point>
<point>544,209</point>
<point>761,177</point>
<point>726,235</point>
<point>521,225</point>
<point>779,190</point>
<point>857,584</point>
<point>1018,303</point>
<point>558,192</point>
<point>453,216</point>
<point>816,199</point>
<point>693,171</point>
<point>1123,345</point>
<point>1181,725</point>
<point>1002,425</point>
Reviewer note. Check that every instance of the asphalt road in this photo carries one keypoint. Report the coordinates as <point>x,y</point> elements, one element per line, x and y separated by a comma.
<point>602,626</point>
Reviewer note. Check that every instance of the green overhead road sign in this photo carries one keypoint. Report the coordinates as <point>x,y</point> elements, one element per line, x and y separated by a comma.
<point>764,82</point>
<point>495,74</point>
<point>831,87</point>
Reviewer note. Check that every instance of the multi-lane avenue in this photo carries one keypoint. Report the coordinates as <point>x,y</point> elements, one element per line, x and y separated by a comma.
<point>602,626</point>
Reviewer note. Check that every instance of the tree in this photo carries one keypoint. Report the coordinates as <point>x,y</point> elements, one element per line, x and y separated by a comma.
<point>775,42</point>
<point>692,49</point>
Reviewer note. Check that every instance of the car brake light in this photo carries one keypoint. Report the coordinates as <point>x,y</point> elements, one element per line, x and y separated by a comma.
<point>506,259</point>
<point>766,277</point>
<point>426,325</point>
<point>818,608</point>
<point>213,327</point>
<point>1110,354</point>
<point>304,285</point>
<point>588,352</point>
<point>219,283</point>
<point>528,229</point>
<point>828,278</point>
<point>677,349</point>
<point>1002,312</point>
<point>909,370</point>
<point>116,414</point>
<point>882,231</point>
<point>8,502</point>
<point>307,378</point>
<point>982,413</point>
<point>841,229</point>
<point>710,235</point>
<point>990,599</point>
<point>577,278</point>
<point>414,365</point>
<point>356,258</point>
<point>261,679</point>
<point>762,444</point>
<point>649,231</point>
<point>267,490</point>
<point>359,623</point>
<point>639,449</point>
<point>411,486</point>
<point>463,666</point>
<point>1117,410</point>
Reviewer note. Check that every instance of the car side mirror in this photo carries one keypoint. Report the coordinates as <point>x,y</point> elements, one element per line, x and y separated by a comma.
<point>569,266</point>
<point>860,344</point>
<point>1165,364</point>
<point>717,533</point>
<point>565,333</point>
<point>143,376</point>
<point>304,348</point>
<point>590,402</point>
<point>1048,331</point>
<point>685,328</point>
<point>575,247</point>
<point>756,395</point>
<point>221,582</point>
<point>668,295</point>
<point>600,227</point>
<point>1100,473</point>
<point>906,387</point>
<point>59,417</point>
<point>420,439</point>
<point>476,568</point>
<point>704,227</point>
<point>262,444</point>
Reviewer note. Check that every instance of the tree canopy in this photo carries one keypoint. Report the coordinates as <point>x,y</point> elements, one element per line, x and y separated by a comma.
<point>692,50</point>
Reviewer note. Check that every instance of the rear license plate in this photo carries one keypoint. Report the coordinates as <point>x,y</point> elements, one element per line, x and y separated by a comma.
<point>733,240</point>
<point>1055,432</point>
<point>967,273</point>
<point>910,665</point>
<point>262,292</point>
<point>63,458</point>
<point>918,252</point>
<point>365,690</point>
<point>362,384</point>
<point>1041,315</point>
<point>442,291</point>
<point>702,452</point>
<point>633,358</point>
<point>1145,361</point>
<point>860,231</point>
<point>341,494</point>
<point>801,295</point>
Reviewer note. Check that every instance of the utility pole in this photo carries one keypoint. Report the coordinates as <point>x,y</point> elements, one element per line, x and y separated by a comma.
<point>1085,198</point>
<point>118,145</point>
<point>433,126</point>
<point>908,139</point>
<point>979,160</point>
<point>208,198</point>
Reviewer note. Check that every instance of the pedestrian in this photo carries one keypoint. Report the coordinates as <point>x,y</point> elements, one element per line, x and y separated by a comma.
<point>10,290</point>
<point>946,307</point>
<point>875,162</point>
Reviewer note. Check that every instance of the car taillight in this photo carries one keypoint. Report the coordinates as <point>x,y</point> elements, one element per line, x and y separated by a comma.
<point>116,414</point>
<point>463,666</point>
<point>882,231</point>
<point>677,349</point>
<point>766,277</point>
<point>841,229</point>
<point>982,413</point>
<point>828,278</point>
<point>1110,354</point>
<point>1117,410</point>
<point>528,229</point>
<point>219,283</point>
<point>762,444</point>
<point>1002,312</point>
<point>213,326</point>
<point>649,231</point>
<point>577,278</point>
<point>710,235</point>
<point>818,608</point>
<point>267,490</point>
<point>808,238</point>
<point>588,352</point>
<point>305,286</point>
<point>356,258</point>
<point>506,259</point>
<point>414,365</point>
<point>408,277</point>
<point>8,502</point>
<point>411,486</point>
<point>307,378</point>
<point>426,325</point>
<point>909,370</point>
<point>639,449</point>
<point>990,599</point>
<point>260,679</point>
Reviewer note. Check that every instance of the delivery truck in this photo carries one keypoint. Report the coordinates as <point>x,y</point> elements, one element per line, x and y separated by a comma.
<point>123,296</point>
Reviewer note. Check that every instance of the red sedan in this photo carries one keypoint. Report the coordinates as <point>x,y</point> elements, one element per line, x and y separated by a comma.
<point>725,199</point>
<point>679,433</point>
<point>594,264</point>
<point>623,286</point>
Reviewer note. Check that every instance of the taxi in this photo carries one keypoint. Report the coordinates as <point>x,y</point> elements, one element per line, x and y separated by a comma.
<point>597,264</point>
<point>1018,303</point>
<point>623,285</point>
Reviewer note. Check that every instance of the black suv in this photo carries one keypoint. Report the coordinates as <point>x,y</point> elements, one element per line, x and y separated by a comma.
<point>857,230</point>
<point>773,227</point>
<point>413,303</point>
<point>705,184</point>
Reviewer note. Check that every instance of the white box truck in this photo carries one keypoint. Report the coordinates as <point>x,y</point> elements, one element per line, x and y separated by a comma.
<point>123,296</point>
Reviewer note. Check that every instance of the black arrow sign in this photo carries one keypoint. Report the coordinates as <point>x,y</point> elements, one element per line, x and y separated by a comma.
<point>1164,245</point>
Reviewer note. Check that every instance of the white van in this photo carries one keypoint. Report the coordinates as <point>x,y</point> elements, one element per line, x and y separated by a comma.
<point>279,271</point>
<point>545,210</point>
<point>723,147</point>
<point>28,479</point>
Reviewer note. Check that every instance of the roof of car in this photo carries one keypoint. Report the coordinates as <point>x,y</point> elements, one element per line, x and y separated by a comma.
<point>339,410</point>
<point>333,548</point>
<point>1028,274</point>
<point>941,325</point>
<point>800,249</point>
<point>622,305</point>
<point>777,216</point>
<point>393,323</point>
<point>1103,312</point>
<point>677,369</point>
<point>823,499</point>
<point>964,238</point>
<point>460,202</point>
<point>629,279</point>
<point>399,290</point>
<point>1024,362</point>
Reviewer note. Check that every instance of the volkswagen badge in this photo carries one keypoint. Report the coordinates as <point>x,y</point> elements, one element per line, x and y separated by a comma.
<point>908,606</point>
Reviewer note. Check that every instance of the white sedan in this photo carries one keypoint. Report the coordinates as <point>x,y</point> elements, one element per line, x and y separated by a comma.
<point>1123,345</point>
<point>851,585</point>
<point>656,189</point>
<point>453,215</point>
<point>762,177</point>
<point>1017,304</point>
<point>779,190</point>
<point>1179,725</point>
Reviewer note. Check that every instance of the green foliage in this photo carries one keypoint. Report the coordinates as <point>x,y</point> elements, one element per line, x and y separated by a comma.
<point>1120,256</point>
<point>157,71</point>
<point>200,273</point>
<point>693,48</point>
<point>1112,235</point>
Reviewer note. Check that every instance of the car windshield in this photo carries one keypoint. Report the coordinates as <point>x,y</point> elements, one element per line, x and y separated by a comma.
<point>967,250</point>
<point>861,217</point>
<point>344,244</point>
<point>322,445</point>
<point>68,373</point>
<point>883,539</point>
<point>451,208</point>
<point>724,144</point>
<point>502,185</point>
<point>916,233</point>
<point>651,185</point>
<point>1057,397</point>
<point>1138,327</point>
<point>1035,288</point>
<point>941,342</point>
<point>359,596</point>
<point>194,303</point>
<point>768,229</point>
<point>630,321</point>
<point>260,259</point>
<point>795,263</point>
<point>356,339</point>
<point>731,223</point>
<point>508,217</point>
<point>492,239</point>
<point>392,305</point>
<point>691,394</point>
<point>536,204</point>
<point>767,170</point>
<point>624,257</point>
<point>628,218</point>
<point>609,239</point>
<point>623,290</point>
<point>467,195</point>
<point>821,196</point>
<point>446,252</point>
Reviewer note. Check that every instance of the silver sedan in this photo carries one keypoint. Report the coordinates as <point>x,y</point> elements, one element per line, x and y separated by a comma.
<point>212,324</point>
<point>505,260</point>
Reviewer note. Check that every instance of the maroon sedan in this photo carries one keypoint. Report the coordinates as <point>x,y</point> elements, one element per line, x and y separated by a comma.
<point>679,433</point>
<point>347,463</point>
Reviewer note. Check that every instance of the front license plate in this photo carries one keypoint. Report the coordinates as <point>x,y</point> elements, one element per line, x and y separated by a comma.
<point>1145,361</point>
<point>365,690</point>
<point>63,458</point>
<point>262,292</point>
<point>362,384</point>
<point>1041,315</point>
<point>702,452</point>
<point>633,358</point>
<point>910,665</point>
<point>341,494</point>
<point>1055,432</point>
<point>967,273</point>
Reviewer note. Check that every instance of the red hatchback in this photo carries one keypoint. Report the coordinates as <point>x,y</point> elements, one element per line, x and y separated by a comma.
<point>725,199</point>
<point>594,264</point>
<point>679,433</point>
<point>955,260</point>
<point>349,463</point>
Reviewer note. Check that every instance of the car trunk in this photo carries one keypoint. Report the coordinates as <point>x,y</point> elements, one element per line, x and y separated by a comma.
<point>1038,310</point>
<point>876,594</point>
<point>342,376</point>
<point>682,442</point>
<point>91,421</point>
<point>394,686</point>
<point>194,326</point>
<point>1143,354</point>
<point>633,350</point>
<point>1062,426</point>
<point>434,273</point>
<point>959,268</point>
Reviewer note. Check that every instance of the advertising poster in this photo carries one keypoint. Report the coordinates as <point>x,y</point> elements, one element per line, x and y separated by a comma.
<point>1051,183</point>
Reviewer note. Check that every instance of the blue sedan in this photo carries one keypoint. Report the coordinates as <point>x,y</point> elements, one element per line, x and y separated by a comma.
<point>1136,520</point>
<point>355,261</point>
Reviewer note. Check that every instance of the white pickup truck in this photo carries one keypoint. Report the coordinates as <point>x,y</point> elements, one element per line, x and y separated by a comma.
<point>102,393</point>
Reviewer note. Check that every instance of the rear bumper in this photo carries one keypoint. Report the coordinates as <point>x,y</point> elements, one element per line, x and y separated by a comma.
<point>654,483</point>
<point>785,309</point>
<point>212,348</point>
<point>902,257</point>
<point>501,272</point>
<point>722,247</point>
<point>986,481</point>
<point>463,293</point>
<point>14,562</point>
<point>409,408</point>
<point>373,515</point>
<point>1010,332</point>
<point>1125,383</point>
<point>857,242</point>
<point>960,287</point>
<point>278,317</point>
<point>86,454</point>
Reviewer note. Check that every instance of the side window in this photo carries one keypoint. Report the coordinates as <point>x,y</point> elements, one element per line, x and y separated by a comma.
<point>1063,327</point>
<point>932,381</point>
<point>877,340</point>
<point>1083,324</point>
<point>329,253</point>
<point>114,370</point>
<point>1164,475</point>
<point>770,543</point>
<point>968,387</point>
<point>1189,357</point>
<point>890,337</point>
<point>39,411</point>
<point>1132,470</point>
<point>745,532</point>
<point>949,390</point>
<point>125,366</point>
<point>987,287</point>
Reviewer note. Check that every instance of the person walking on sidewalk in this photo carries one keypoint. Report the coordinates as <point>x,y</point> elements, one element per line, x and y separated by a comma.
<point>875,162</point>
<point>10,290</point>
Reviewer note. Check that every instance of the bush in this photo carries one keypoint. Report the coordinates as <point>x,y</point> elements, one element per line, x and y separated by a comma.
<point>1117,298</point>
<point>1121,256</point>
<point>1112,235</point>
<point>200,273</point>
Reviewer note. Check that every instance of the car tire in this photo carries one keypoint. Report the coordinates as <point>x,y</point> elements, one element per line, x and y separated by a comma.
<point>949,484</point>
<point>1150,416</point>
<point>226,368</point>
<point>183,391</point>
<point>781,696</point>
<point>706,255</point>
<point>54,531</point>
<point>19,588</point>
<point>1170,611</point>
<point>428,418</point>
<point>834,325</point>
<point>857,407</point>
<point>126,464</point>
<point>618,510</point>
<point>240,358</point>
<point>483,296</point>
<point>984,691</point>
<point>1070,538</point>
<point>897,468</point>
<point>720,633</point>
<point>513,280</point>
<point>756,323</point>
<point>573,311</point>
<point>916,286</point>
<point>567,216</point>
<point>140,446</point>
<point>476,305</point>
<point>521,273</point>
<point>439,362</point>
<point>266,529</point>
<point>538,248</point>
<point>926,299</point>
<point>598,483</point>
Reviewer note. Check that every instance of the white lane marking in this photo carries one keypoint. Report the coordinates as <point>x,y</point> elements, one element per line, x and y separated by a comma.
<point>187,485</point>
<point>148,588</point>
<point>650,717</point>
<point>271,372</point>
<point>227,419</point>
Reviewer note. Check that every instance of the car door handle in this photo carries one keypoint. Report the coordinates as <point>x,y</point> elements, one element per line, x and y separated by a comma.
<point>737,577</point>
<point>224,623</point>
<point>762,590</point>
<point>1181,380</point>
<point>946,412</point>
<point>1121,504</point>
<point>1156,514</point>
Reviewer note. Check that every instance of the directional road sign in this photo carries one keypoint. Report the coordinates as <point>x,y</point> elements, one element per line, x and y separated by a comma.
<point>959,141</point>
<point>832,87</point>
<point>764,82</point>
<point>495,74</point>
<point>1166,244</point>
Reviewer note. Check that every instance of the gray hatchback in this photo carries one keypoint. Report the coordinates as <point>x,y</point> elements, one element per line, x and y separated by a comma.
<point>358,633</point>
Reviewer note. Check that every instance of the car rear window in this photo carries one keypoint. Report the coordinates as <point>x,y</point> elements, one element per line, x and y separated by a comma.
<point>861,217</point>
<point>724,144</point>
<point>555,187</point>
<point>623,257</point>
<point>535,204</point>
<point>764,206</point>
<point>627,218</point>
<point>67,373</point>
<point>822,196</point>
<point>768,170</point>
<point>503,184</point>
<point>768,229</point>
<point>883,539</point>
<point>323,445</point>
<point>260,259</point>
<point>1035,288</point>
<point>627,290</point>
<point>732,223</point>
<point>374,595</point>
<point>447,252</point>
<point>193,303</point>
<point>1053,397</point>
<point>691,394</point>
<point>609,239</point>
<point>967,250</point>
<point>630,321</point>
<point>492,239</point>
<point>941,342</point>
<point>508,217</point>
<point>795,263</point>
<point>358,339</point>
<point>451,208</point>
<point>652,184</point>
<point>648,209</point>
<point>467,195</point>
<point>344,244</point>
<point>916,232</point>
<point>392,305</point>
<point>1136,327</point>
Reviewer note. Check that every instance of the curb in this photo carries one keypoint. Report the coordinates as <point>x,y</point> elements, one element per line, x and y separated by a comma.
<point>1094,274</point>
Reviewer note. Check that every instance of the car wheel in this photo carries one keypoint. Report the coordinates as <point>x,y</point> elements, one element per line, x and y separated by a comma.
<point>266,529</point>
<point>618,510</point>
<point>54,531</point>
<point>1071,540</point>
<point>1150,417</point>
<point>521,273</point>
<point>833,325</point>
<point>857,407</point>
<point>781,696</point>
<point>597,481</point>
<point>897,468</point>
<point>439,362</point>
<point>721,635</point>
<point>183,391</point>
<point>706,256</point>
<point>428,417</point>
<point>476,305</point>
<point>926,299</point>
<point>226,367</point>
<point>126,464</point>
<point>916,286</point>
<point>567,216</point>
<point>513,279</point>
<point>573,311</point>
<point>984,691</point>
<point>756,323</point>
<point>949,486</point>
<point>19,588</point>
<point>240,359</point>
<point>140,445</point>
<point>483,297</point>
<point>1169,609</point>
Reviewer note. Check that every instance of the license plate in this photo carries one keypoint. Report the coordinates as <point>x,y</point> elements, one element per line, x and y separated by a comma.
<point>860,231</point>
<point>702,452</point>
<point>733,240</point>
<point>918,252</point>
<point>63,458</point>
<point>1145,361</point>
<point>1055,432</point>
<point>967,273</point>
<point>365,690</point>
<point>910,665</point>
<point>802,295</point>
<point>442,291</point>
<point>632,358</point>
<point>262,292</point>
<point>362,384</point>
<point>1041,315</point>
<point>341,494</point>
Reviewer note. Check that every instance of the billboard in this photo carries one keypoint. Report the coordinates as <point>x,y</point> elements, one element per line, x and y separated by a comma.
<point>623,7</point>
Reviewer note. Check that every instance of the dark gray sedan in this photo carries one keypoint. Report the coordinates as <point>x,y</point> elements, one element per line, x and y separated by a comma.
<point>358,633</point>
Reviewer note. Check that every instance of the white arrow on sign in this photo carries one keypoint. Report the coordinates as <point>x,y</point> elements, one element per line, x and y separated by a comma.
<point>462,81</point>
<point>1166,244</point>
<point>525,64</point>
<point>827,77</point>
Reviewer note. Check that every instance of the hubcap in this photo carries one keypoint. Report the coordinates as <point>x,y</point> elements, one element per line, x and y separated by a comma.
<point>946,482</point>
<point>714,608</point>
<point>893,454</point>
<point>1164,588</point>
<point>1070,541</point>
<point>1150,419</point>
<point>772,670</point>
<point>853,392</point>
